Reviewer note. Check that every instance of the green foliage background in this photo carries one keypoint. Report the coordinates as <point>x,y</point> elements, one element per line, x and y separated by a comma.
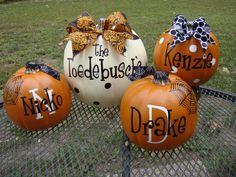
<point>32,30</point>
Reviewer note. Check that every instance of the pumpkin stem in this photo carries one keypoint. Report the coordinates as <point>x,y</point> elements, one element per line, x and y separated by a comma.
<point>31,68</point>
<point>161,78</point>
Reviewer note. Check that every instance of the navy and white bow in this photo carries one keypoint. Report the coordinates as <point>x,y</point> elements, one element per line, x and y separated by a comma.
<point>183,30</point>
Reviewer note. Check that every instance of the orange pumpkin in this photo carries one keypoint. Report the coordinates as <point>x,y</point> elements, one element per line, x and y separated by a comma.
<point>192,60</point>
<point>37,97</point>
<point>159,113</point>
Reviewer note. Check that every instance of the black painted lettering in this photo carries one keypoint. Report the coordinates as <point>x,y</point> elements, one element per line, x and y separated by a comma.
<point>88,72</point>
<point>42,105</point>
<point>104,71</point>
<point>146,126</point>
<point>37,105</point>
<point>161,127</point>
<point>177,60</point>
<point>186,62</point>
<point>27,107</point>
<point>80,71</point>
<point>70,59</point>
<point>208,61</point>
<point>197,63</point>
<point>138,120</point>
<point>167,57</point>
<point>51,102</point>
<point>74,72</point>
<point>59,100</point>
<point>113,72</point>
<point>172,127</point>
<point>96,71</point>
<point>127,70</point>
<point>182,125</point>
<point>121,68</point>
<point>96,50</point>
<point>106,52</point>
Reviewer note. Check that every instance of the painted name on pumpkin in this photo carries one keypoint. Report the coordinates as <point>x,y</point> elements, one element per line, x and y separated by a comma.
<point>186,61</point>
<point>98,70</point>
<point>37,104</point>
<point>160,126</point>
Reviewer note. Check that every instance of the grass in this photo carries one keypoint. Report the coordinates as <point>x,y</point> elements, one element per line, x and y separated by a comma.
<point>31,30</point>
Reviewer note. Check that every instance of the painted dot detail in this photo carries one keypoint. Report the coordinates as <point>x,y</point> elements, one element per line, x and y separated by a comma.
<point>108,85</point>
<point>193,48</point>
<point>161,40</point>
<point>195,81</point>
<point>96,103</point>
<point>213,61</point>
<point>174,69</point>
<point>76,90</point>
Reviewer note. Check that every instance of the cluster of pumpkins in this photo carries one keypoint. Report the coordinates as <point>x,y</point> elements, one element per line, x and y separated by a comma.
<point>105,65</point>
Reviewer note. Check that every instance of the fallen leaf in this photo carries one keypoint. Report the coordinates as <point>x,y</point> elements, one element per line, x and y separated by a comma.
<point>225,70</point>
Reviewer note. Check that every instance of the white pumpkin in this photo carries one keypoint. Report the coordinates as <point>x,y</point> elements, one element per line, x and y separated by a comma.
<point>98,74</point>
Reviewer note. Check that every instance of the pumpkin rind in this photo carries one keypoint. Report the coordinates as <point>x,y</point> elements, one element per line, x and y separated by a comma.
<point>143,97</point>
<point>100,80</point>
<point>186,59</point>
<point>24,94</point>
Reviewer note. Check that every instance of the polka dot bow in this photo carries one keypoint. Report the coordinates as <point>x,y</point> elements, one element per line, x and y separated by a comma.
<point>183,30</point>
<point>115,29</point>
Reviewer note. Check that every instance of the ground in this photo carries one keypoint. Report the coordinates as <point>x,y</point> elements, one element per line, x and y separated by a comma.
<point>33,30</point>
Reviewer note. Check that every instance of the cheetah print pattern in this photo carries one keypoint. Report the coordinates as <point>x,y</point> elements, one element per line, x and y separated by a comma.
<point>83,32</point>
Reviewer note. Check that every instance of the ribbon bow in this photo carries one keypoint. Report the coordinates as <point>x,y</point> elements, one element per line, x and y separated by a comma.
<point>44,68</point>
<point>115,29</point>
<point>143,71</point>
<point>183,30</point>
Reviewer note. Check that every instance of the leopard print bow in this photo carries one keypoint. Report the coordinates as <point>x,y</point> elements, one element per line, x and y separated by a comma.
<point>115,29</point>
<point>183,30</point>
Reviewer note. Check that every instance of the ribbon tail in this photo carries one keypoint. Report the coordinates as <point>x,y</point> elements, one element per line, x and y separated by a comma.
<point>132,36</point>
<point>50,71</point>
<point>203,40</point>
<point>211,41</point>
<point>72,27</point>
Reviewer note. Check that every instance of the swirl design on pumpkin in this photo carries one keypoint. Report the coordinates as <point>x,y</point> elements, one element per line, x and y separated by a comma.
<point>116,30</point>
<point>12,90</point>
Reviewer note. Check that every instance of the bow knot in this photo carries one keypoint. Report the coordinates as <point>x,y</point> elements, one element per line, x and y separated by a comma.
<point>183,30</point>
<point>115,29</point>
